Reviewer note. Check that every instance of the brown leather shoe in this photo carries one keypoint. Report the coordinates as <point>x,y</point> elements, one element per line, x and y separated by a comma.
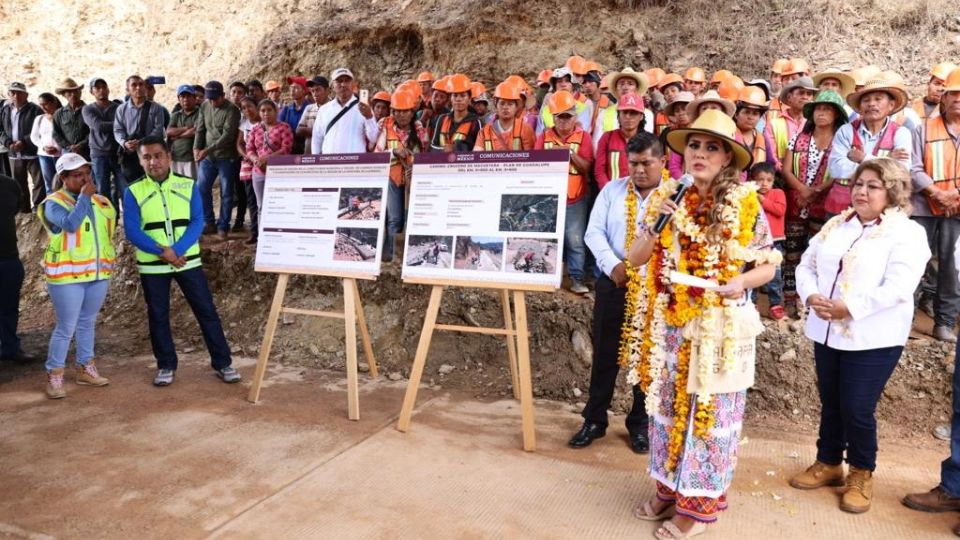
<point>935,500</point>
<point>857,491</point>
<point>818,475</point>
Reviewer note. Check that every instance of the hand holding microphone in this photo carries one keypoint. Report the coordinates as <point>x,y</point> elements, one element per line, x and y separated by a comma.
<point>671,204</point>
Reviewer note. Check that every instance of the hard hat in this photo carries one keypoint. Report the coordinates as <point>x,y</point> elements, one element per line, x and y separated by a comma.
<point>695,74</point>
<point>403,100</point>
<point>477,89</point>
<point>952,82</point>
<point>507,90</point>
<point>441,83</point>
<point>542,78</point>
<point>425,76</point>
<point>778,66</point>
<point>730,87</point>
<point>381,96</point>
<point>561,72</point>
<point>654,75</point>
<point>577,65</point>
<point>942,70</point>
<point>720,75</point>
<point>668,79</point>
<point>753,96</point>
<point>593,66</point>
<point>796,65</point>
<point>458,83</point>
<point>561,102</point>
<point>605,82</point>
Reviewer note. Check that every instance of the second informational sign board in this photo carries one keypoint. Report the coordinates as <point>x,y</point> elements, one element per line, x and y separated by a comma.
<point>487,217</point>
<point>323,214</point>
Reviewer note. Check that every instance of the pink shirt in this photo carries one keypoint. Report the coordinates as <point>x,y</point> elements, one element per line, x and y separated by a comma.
<point>276,141</point>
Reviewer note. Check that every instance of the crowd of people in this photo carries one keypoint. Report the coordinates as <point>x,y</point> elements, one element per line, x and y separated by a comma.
<point>831,191</point>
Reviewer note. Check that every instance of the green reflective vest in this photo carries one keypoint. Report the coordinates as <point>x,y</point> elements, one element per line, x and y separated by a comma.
<point>85,254</point>
<point>164,217</point>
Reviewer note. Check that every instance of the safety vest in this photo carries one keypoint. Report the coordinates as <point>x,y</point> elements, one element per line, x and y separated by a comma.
<point>781,135</point>
<point>576,180</point>
<point>494,141</point>
<point>608,123</point>
<point>660,123</point>
<point>940,159</point>
<point>547,117</point>
<point>164,217</point>
<point>759,146</point>
<point>85,254</point>
<point>602,104</point>
<point>461,134</point>
<point>393,142</point>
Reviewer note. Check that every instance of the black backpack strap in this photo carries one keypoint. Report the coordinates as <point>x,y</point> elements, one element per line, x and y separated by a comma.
<point>339,115</point>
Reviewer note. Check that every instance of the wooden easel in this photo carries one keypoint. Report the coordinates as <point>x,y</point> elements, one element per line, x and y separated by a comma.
<point>518,347</point>
<point>352,312</point>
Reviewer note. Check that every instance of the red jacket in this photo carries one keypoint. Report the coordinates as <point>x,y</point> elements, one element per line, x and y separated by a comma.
<point>611,158</point>
<point>775,207</point>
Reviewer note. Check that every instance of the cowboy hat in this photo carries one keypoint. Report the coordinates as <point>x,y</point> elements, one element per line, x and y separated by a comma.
<point>67,85</point>
<point>805,83</point>
<point>847,83</point>
<point>629,73</point>
<point>711,96</point>
<point>715,124</point>
<point>680,99</point>
<point>881,84</point>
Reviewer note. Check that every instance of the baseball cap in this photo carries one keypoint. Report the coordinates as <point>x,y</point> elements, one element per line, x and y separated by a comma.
<point>271,85</point>
<point>93,82</point>
<point>630,102</point>
<point>302,81</point>
<point>213,90</point>
<point>340,72</point>
<point>17,87</point>
<point>592,76</point>
<point>155,79</point>
<point>318,80</point>
<point>182,89</point>
<point>70,162</point>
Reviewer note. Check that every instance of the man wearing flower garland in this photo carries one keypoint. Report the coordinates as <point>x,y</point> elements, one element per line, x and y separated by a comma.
<point>609,234</point>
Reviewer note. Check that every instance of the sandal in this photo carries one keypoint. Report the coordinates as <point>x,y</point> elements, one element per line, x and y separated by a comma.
<point>645,512</point>
<point>669,531</point>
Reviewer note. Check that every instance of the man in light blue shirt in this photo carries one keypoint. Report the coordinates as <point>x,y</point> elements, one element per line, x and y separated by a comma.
<point>606,238</point>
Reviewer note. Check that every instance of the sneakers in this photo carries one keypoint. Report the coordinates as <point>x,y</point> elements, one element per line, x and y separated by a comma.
<point>164,377</point>
<point>55,384</point>
<point>228,375</point>
<point>776,313</point>
<point>577,287</point>
<point>87,375</point>
<point>942,432</point>
<point>818,475</point>
<point>857,491</point>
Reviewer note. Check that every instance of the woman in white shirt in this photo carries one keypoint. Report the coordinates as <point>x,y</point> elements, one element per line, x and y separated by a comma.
<point>858,277</point>
<point>42,137</point>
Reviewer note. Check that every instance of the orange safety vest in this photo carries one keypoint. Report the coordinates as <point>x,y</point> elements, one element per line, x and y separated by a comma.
<point>461,134</point>
<point>759,147</point>
<point>601,104</point>
<point>920,107</point>
<point>660,123</point>
<point>576,180</point>
<point>392,143</point>
<point>940,159</point>
<point>495,141</point>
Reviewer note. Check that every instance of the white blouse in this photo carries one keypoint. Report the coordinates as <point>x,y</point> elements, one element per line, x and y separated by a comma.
<point>42,135</point>
<point>878,290</point>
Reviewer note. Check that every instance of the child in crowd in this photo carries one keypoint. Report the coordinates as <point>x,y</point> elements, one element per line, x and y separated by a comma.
<point>774,203</point>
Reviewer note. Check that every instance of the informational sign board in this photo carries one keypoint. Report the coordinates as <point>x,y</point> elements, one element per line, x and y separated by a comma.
<point>494,217</point>
<point>323,214</point>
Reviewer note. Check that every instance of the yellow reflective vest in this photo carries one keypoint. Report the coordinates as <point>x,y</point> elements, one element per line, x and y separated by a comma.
<point>164,217</point>
<point>85,254</point>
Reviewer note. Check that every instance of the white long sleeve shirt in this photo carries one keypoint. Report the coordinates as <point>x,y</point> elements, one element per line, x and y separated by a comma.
<point>607,228</point>
<point>885,273</point>
<point>348,136</point>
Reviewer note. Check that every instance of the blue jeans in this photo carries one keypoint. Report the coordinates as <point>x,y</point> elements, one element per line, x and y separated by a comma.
<point>103,168</point>
<point>227,170</point>
<point>11,276</point>
<point>77,306</point>
<point>774,288</point>
<point>950,468</point>
<point>575,254</point>
<point>193,284</point>
<point>850,385</point>
<point>395,217</point>
<point>48,167</point>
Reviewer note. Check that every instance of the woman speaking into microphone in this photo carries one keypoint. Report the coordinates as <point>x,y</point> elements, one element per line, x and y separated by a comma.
<point>690,329</point>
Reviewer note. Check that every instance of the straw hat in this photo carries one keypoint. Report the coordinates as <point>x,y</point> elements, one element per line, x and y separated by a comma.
<point>679,100</point>
<point>847,83</point>
<point>715,124</point>
<point>828,97</point>
<point>627,72</point>
<point>880,83</point>
<point>711,96</point>
<point>67,85</point>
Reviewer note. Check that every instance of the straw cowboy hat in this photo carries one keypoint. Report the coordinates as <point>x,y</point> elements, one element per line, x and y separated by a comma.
<point>67,85</point>
<point>711,96</point>
<point>715,124</point>
<point>847,83</point>
<point>881,83</point>
<point>805,83</point>
<point>628,72</point>
<point>681,99</point>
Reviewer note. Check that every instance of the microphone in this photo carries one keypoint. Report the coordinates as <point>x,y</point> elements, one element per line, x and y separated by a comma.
<point>685,182</point>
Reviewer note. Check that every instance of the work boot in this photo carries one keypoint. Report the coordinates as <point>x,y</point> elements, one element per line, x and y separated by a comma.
<point>818,475</point>
<point>942,333</point>
<point>88,375</point>
<point>857,491</point>
<point>935,500</point>
<point>55,384</point>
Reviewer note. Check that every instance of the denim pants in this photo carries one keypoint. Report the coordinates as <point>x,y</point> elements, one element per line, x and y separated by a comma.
<point>48,167</point>
<point>850,385</point>
<point>395,217</point>
<point>193,284</point>
<point>11,276</point>
<point>226,170</point>
<point>774,288</point>
<point>77,306</point>
<point>942,235</point>
<point>103,168</point>
<point>950,467</point>
<point>575,250</point>
<point>252,209</point>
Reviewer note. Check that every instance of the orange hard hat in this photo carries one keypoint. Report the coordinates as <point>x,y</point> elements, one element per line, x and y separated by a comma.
<point>654,75</point>
<point>952,82</point>
<point>507,90</point>
<point>404,100</point>
<point>753,96</point>
<point>668,79</point>
<point>381,96</point>
<point>425,76</point>
<point>410,86</point>
<point>720,75</point>
<point>695,74</point>
<point>441,83</point>
<point>942,70</point>
<point>458,83</point>
<point>730,88</point>
<point>796,65</point>
<point>542,78</point>
<point>477,89</point>
<point>562,101</point>
<point>577,65</point>
<point>605,82</point>
<point>593,66</point>
<point>778,66</point>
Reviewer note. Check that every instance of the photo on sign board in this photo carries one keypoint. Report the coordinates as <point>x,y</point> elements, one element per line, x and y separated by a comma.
<point>360,204</point>
<point>429,251</point>
<point>531,255</point>
<point>528,213</point>
<point>484,253</point>
<point>355,244</point>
